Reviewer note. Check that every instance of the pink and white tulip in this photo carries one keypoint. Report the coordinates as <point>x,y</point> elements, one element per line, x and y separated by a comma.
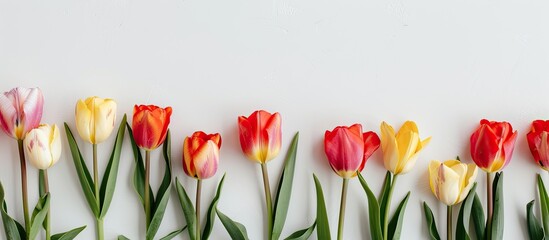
<point>20,111</point>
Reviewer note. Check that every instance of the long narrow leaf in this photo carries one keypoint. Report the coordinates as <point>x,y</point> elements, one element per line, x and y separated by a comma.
<point>497,218</point>
<point>42,191</point>
<point>431,223</point>
<point>111,172</point>
<point>479,221</point>
<point>383,198</point>
<point>544,202</point>
<point>84,176</point>
<point>535,230</point>
<point>121,237</point>
<point>373,209</point>
<point>464,217</point>
<point>210,218</point>
<point>174,234</point>
<point>323,226</point>
<point>395,225</point>
<point>302,234</point>
<point>163,194</point>
<point>38,215</point>
<point>236,230</point>
<point>68,235</point>
<point>138,179</point>
<point>10,226</point>
<point>188,209</point>
<point>284,192</point>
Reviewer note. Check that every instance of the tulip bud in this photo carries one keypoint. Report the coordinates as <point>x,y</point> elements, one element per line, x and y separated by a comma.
<point>43,146</point>
<point>150,125</point>
<point>260,135</point>
<point>492,145</point>
<point>95,119</point>
<point>400,151</point>
<point>537,141</point>
<point>201,154</point>
<point>20,111</point>
<point>451,181</point>
<point>348,149</point>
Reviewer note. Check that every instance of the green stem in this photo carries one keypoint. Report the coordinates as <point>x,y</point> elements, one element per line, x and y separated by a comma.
<point>449,223</point>
<point>342,208</point>
<point>24,185</point>
<point>147,199</point>
<point>490,203</point>
<point>98,222</point>
<point>268,199</point>
<point>388,209</point>
<point>99,229</point>
<point>198,192</point>
<point>48,216</point>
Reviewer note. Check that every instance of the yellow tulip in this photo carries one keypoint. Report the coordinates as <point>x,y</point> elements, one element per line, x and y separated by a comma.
<point>451,180</point>
<point>400,151</point>
<point>43,146</point>
<point>95,118</point>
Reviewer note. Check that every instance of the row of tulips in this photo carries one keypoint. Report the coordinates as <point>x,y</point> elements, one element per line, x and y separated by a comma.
<point>347,150</point>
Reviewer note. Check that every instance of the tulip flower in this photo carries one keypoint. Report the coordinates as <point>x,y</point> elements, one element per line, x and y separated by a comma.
<point>347,149</point>
<point>20,111</point>
<point>537,141</point>
<point>492,145</point>
<point>400,151</point>
<point>200,159</point>
<point>260,135</point>
<point>43,146</point>
<point>150,125</point>
<point>149,128</point>
<point>95,119</point>
<point>261,139</point>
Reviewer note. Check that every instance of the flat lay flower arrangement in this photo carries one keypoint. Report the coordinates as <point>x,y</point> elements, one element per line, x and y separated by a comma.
<point>347,150</point>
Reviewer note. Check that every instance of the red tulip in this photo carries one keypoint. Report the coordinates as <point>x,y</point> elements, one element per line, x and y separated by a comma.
<point>20,111</point>
<point>260,135</point>
<point>537,141</point>
<point>492,145</point>
<point>348,149</point>
<point>150,125</point>
<point>201,154</point>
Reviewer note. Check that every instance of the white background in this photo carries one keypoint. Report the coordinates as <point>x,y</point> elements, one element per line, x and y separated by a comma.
<point>443,64</point>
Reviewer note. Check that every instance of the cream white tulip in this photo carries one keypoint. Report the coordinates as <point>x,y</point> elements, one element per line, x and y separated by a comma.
<point>450,181</point>
<point>43,146</point>
<point>95,119</point>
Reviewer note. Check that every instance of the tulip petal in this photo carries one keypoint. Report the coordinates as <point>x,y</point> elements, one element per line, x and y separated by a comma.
<point>484,147</point>
<point>104,119</point>
<point>389,147</point>
<point>188,167</point>
<point>447,185</point>
<point>84,121</point>
<point>271,139</point>
<point>206,160</point>
<point>33,102</point>
<point>8,115</point>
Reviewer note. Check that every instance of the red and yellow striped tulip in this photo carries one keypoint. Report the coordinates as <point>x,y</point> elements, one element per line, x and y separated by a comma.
<point>150,125</point>
<point>537,141</point>
<point>260,135</point>
<point>201,154</point>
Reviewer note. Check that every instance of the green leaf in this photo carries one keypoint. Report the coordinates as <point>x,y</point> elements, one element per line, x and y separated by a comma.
<point>39,214</point>
<point>395,225</point>
<point>236,230</point>
<point>302,234</point>
<point>163,194</point>
<point>478,217</point>
<point>12,230</point>
<point>544,202</point>
<point>284,191</point>
<point>42,190</point>
<point>497,217</point>
<point>373,209</point>
<point>431,223</point>
<point>174,234</point>
<point>68,235</point>
<point>535,230</point>
<point>210,218</point>
<point>122,238</point>
<point>108,183</point>
<point>383,198</point>
<point>188,209</point>
<point>323,226</point>
<point>84,176</point>
<point>464,217</point>
<point>139,171</point>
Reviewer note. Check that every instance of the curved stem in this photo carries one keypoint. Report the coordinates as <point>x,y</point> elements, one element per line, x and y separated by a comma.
<point>268,199</point>
<point>198,192</point>
<point>147,199</point>
<point>388,209</point>
<point>24,185</point>
<point>48,216</point>
<point>490,203</point>
<point>449,222</point>
<point>342,208</point>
